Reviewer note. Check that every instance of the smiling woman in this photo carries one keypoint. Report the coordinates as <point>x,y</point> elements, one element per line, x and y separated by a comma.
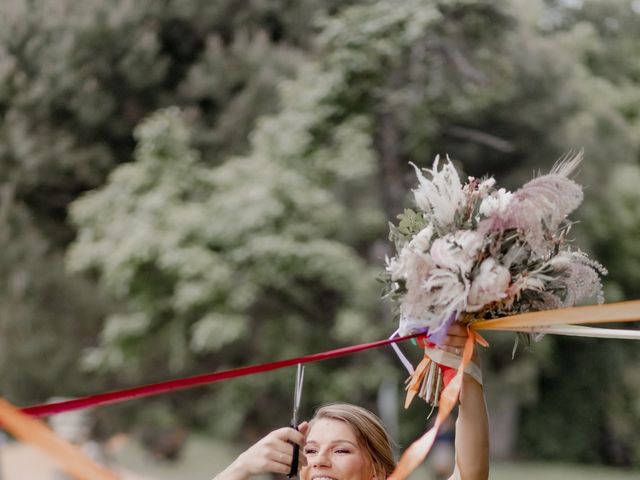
<point>347,442</point>
<point>341,442</point>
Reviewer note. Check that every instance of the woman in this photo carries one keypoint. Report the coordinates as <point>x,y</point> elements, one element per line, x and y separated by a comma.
<point>346,442</point>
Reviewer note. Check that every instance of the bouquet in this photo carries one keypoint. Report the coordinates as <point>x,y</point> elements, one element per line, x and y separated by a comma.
<point>473,251</point>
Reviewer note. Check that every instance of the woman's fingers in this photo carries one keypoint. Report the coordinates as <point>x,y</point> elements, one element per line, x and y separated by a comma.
<point>450,349</point>
<point>274,453</point>
<point>286,434</point>
<point>283,457</point>
<point>276,466</point>
<point>283,449</point>
<point>303,428</point>
<point>282,460</point>
<point>456,342</point>
<point>457,330</point>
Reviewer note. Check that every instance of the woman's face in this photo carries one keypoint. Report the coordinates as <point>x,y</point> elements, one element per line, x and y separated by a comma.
<point>333,453</point>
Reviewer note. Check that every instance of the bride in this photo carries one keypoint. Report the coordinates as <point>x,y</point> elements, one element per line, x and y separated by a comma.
<point>347,442</point>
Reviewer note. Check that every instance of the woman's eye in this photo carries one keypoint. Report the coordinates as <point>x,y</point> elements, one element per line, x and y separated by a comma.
<point>343,450</point>
<point>309,451</point>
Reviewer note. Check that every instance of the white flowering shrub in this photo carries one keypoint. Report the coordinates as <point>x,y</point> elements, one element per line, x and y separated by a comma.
<point>203,248</point>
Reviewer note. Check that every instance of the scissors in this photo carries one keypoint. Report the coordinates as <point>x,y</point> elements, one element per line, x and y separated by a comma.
<point>297,396</point>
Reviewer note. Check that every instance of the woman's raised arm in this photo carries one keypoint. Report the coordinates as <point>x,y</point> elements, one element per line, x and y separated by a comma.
<point>472,426</point>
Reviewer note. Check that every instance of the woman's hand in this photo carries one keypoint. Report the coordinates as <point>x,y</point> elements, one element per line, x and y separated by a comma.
<point>449,353</point>
<point>271,454</point>
<point>455,341</point>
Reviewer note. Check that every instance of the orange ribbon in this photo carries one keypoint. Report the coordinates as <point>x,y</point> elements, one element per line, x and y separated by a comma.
<point>416,380</point>
<point>71,460</point>
<point>609,313</point>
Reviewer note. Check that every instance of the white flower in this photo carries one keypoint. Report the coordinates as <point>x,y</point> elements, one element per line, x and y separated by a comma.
<point>422,241</point>
<point>439,295</point>
<point>442,196</point>
<point>486,186</point>
<point>489,285</point>
<point>395,267</point>
<point>457,251</point>
<point>562,261</point>
<point>414,255</point>
<point>459,263</point>
<point>497,202</point>
<point>399,266</point>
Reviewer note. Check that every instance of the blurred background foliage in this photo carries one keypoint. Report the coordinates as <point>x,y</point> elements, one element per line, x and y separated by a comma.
<point>189,186</point>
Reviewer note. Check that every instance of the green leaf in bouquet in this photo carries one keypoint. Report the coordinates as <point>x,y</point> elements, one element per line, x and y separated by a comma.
<point>411,222</point>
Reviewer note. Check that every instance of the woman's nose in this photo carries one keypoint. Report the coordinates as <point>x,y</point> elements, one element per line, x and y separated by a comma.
<point>322,459</point>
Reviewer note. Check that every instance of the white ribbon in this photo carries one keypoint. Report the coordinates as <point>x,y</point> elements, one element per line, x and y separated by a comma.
<point>403,359</point>
<point>453,361</point>
<point>580,331</point>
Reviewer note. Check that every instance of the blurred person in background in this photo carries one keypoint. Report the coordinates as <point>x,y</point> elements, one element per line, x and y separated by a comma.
<point>76,428</point>
<point>442,456</point>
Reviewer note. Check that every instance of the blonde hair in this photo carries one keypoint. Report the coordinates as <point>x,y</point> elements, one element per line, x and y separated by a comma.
<point>369,431</point>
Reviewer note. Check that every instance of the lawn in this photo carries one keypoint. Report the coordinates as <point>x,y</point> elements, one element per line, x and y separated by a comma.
<point>551,471</point>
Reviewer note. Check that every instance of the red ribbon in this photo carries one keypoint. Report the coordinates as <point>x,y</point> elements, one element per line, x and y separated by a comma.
<point>117,396</point>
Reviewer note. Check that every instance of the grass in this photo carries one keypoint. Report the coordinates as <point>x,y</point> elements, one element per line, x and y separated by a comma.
<point>201,459</point>
<point>552,471</point>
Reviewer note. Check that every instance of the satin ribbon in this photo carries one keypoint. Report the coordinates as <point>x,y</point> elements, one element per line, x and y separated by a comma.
<point>118,396</point>
<point>609,313</point>
<point>417,377</point>
<point>578,331</point>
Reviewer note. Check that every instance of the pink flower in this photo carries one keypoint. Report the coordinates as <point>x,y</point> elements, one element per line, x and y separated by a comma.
<point>489,285</point>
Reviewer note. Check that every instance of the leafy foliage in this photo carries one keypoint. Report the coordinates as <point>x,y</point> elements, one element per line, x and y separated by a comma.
<point>75,79</point>
<point>227,233</point>
<point>214,256</point>
<point>37,311</point>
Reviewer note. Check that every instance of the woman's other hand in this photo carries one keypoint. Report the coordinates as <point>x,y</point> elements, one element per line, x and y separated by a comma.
<point>272,454</point>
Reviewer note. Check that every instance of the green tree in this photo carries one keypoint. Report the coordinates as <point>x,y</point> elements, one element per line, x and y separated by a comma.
<point>41,336</point>
<point>308,176</point>
<point>390,82</point>
<point>215,264</point>
<point>217,242</point>
<point>602,37</point>
<point>75,79</point>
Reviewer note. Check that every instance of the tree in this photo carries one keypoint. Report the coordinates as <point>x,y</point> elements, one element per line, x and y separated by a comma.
<point>37,311</point>
<point>217,261</point>
<point>301,196</point>
<point>75,79</point>
<point>315,162</point>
